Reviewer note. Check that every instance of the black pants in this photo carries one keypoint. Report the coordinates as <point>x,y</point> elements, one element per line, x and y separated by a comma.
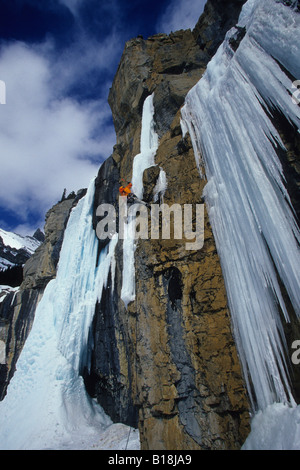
<point>133,199</point>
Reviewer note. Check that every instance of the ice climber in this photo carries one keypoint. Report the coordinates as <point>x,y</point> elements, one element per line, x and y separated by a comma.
<point>131,197</point>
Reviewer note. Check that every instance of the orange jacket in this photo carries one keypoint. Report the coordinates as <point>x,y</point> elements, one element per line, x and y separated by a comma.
<point>125,191</point>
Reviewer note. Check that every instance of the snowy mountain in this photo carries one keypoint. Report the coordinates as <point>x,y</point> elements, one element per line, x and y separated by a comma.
<point>16,249</point>
<point>178,349</point>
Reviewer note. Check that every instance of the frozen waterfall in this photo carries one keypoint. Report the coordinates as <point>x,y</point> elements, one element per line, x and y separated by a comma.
<point>46,406</point>
<point>142,161</point>
<point>256,233</point>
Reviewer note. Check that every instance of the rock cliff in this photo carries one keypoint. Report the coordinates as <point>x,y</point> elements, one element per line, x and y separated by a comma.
<point>167,363</point>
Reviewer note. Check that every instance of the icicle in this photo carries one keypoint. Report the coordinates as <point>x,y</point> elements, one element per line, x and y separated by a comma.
<point>161,186</point>
<point>142,161</point>
<point>148,147</point>
<point>254,227</point>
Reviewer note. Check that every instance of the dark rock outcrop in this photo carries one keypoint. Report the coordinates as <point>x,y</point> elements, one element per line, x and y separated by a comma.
<point>16,316</point>
<point>218,17</point>
<point>39,235</point>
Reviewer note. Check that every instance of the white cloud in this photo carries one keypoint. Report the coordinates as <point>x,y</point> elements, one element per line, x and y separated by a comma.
<point>49,142</point>
<point>45,139</point>
<point>180,14</point>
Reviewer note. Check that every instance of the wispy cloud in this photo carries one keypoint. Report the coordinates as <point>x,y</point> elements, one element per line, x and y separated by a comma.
<point>73,5</point>
<point>56,126</point>
<point>48,141</point>
<point>180,14</point>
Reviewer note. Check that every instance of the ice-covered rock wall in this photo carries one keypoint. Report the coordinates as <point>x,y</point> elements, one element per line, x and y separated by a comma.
<point>229,117</point>
<point>142,161</point>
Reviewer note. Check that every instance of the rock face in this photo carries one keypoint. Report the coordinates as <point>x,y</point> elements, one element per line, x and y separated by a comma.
<point>168,363</point>
<point>200,401</point>
<point>16,315</point>
<point>17,309</point>
<point>219,16</point>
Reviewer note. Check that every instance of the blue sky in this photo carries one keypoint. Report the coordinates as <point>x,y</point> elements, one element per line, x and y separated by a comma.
<point>58,59</point>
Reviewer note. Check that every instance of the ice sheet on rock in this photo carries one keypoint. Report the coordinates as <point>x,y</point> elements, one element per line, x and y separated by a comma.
<point>249,208</point>
<point>148,147</point>
<point>142,161</point>
<point>4,290</point>
<point>277,427</point>
<point>128,275</point>
<point>46,406</point>
<point>161,186</point>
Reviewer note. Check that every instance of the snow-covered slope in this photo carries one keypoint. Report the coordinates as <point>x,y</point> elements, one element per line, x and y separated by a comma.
<point>13,240</point>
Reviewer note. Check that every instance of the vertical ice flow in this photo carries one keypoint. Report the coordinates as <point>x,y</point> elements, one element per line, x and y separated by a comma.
<point>47,406</point>
<point>249,208</point>
<point>142,161</point>
<point>148,147</point>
